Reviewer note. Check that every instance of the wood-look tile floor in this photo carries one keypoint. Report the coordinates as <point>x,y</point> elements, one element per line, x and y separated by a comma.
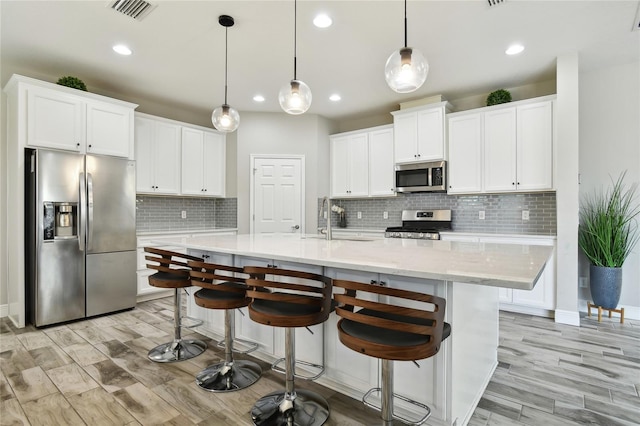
<point>96,372</point>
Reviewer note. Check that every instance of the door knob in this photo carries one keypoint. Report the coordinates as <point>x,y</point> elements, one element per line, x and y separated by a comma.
<point>295,227</point>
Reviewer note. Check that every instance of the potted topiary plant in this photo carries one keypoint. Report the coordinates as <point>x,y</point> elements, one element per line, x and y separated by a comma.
<point>607,234</point>
<point>74,82</point>
<point>499,96</point>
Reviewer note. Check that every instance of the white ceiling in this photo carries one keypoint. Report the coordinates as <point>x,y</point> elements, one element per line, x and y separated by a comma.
<point>178,57</point>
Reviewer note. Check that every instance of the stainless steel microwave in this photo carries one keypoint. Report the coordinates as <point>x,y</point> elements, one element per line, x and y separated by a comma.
<point>422,177</point>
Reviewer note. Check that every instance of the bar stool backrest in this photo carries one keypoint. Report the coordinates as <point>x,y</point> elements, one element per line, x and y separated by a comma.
<point>285,286</point>
<point>211,275</point>
<point>170,262</point>
<point>430,315</point>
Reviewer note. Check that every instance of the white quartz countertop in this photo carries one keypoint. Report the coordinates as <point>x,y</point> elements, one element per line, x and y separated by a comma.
<point>500,265</point>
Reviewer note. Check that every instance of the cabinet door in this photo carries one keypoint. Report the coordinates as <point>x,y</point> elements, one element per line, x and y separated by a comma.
<point>500,150</point>
<point>109,129</point>
<point>405,134</point>
<point>358,165</point>
<point>144,131</point>
<point>55,120</point>
<point>351,368</point>
<point>427,383</point>
<point>214,164</point>
<point>431,134</point>
<point>543,295</point>
<point>339,166</point>
<point>192,163</point>
<point>535,146</point>
<point>381,165</point>
<point>166,158</point>
<point>465,154</point>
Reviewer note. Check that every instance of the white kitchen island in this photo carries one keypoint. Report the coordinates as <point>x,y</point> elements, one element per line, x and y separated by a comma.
<point>467,275</point>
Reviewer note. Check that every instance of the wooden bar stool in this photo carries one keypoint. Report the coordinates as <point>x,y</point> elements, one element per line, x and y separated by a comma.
<point>297,299</point>
<point>390,332</point>
<point>173,273</point>
<point>224,287</point>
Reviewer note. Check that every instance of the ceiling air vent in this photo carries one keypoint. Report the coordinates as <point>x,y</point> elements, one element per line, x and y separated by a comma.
<point>636,23</point>
<point>136,9</point>
<point>495,2</point>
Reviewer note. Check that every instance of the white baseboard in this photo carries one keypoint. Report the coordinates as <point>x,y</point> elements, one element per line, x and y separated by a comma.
<point>4,310</point>
<point>568,317</point>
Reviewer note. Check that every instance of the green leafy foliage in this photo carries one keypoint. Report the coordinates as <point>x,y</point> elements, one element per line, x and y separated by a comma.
<point>500,96</point>
<point>608,227</point>
<point>74,82</point>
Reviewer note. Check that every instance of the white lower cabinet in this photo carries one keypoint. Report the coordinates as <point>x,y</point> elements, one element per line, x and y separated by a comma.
<point>351,371</point>
<point>541,300</point>
<point>309,346</point>
<point>425,382</point>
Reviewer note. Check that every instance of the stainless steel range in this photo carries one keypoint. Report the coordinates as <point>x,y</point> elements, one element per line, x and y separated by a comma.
<point>421,224</point>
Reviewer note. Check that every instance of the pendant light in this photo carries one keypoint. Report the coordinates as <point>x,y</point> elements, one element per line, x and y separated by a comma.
<point>406,69</point>
<point>225,118</point>
<point>295,97</point>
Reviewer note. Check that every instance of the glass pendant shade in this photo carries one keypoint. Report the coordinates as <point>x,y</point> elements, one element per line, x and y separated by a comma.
<point>406,70</point>
<point>295,97</point>
<point>225,118</point>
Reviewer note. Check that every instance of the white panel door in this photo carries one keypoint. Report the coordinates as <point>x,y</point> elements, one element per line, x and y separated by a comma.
<point>277,192</point>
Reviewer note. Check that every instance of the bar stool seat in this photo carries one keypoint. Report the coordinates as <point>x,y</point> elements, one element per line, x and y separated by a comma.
<point>223,287</point>
<point>172,272</point>
<point>409,329</point>
<point>290,299</point>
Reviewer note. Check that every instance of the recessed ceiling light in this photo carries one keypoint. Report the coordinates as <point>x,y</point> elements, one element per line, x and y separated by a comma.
<point>322,21</point>
<point>335,97</point>
<point>514,49</point>
<point>122,49</point>
<point>258,98</point>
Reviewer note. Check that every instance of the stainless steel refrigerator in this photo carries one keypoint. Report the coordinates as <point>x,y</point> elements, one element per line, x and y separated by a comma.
<point>80,235</point>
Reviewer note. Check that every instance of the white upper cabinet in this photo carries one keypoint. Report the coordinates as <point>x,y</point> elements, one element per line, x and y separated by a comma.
<point>59,118</point>
<point>505,148</point>
<point>362,163</point>
<point>381,166</point>
<point>465,154</point>
<point>157,156</point>
<point>203,163</point>
<point>419,133</point>
<point>350,165</point>
<point>535,146</point>
<point>500,150</point>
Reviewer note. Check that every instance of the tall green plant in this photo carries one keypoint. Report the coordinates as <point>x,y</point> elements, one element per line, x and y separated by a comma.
<point>608,228</point>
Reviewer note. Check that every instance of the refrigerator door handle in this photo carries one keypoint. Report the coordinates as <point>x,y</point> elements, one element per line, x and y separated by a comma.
<point>81,207</point>
<point>89,211</point>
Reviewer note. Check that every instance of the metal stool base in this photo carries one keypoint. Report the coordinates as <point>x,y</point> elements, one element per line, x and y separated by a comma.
<point>228,377</point>
<point>309,409</point>
<point>178,350</point>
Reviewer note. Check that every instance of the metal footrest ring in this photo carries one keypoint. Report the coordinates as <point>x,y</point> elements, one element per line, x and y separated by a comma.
<point>276,367</point>
<point>196,322</point>
<point>301,408</point>
<point>376,407</point>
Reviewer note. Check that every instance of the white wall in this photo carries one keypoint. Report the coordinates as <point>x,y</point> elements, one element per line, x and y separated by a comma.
<point>609,145</point>
<point>280,133</point>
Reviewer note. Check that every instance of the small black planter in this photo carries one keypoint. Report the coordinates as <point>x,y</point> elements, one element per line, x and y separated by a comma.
<point>605,284</point>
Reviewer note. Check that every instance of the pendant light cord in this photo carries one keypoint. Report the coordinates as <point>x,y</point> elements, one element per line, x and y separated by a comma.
<point>226,47</point>
<point>295,39</point>
<point>405,23</point>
